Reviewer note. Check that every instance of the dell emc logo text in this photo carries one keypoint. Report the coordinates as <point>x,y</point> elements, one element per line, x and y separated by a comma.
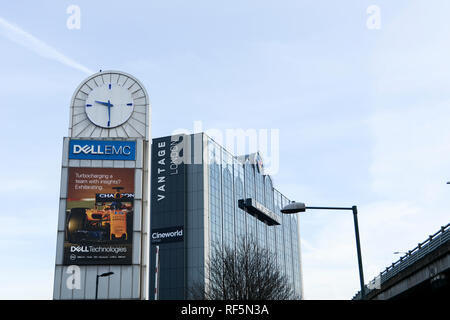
<point>102,149</point>
<point>99,150</point>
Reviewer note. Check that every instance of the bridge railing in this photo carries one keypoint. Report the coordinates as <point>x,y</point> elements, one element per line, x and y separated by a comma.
<point>412,256</point>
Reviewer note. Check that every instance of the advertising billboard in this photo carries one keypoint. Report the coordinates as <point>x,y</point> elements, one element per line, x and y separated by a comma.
<point>99,216</point>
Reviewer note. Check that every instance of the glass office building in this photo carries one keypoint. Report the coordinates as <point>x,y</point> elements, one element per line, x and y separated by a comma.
<point>201,195</point>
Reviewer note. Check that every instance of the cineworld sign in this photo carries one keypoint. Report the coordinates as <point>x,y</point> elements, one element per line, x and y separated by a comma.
<point>172,234</point>
<point>102,150</point>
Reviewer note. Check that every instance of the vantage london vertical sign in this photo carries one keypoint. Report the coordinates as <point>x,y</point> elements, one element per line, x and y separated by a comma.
<point>168,210</point>
<point>168,182</point>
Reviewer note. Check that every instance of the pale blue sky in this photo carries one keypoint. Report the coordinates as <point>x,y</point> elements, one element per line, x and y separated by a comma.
<point>363,114</point>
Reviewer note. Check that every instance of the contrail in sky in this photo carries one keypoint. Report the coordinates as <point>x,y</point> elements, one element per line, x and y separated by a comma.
<point>32,43</point>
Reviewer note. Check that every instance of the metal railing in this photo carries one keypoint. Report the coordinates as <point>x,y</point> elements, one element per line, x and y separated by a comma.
<point>421,250</point>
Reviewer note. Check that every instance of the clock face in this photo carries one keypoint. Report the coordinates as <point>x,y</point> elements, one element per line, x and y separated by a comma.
<point>110,104</point>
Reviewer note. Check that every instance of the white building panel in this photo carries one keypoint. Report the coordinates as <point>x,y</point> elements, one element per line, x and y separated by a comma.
<point>128,281</point>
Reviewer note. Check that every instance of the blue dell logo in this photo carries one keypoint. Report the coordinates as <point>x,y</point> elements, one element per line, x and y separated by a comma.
<point>102,150</point>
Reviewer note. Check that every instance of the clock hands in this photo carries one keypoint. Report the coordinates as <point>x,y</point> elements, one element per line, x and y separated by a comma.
<point>109,112</point>
<point>108,104</point>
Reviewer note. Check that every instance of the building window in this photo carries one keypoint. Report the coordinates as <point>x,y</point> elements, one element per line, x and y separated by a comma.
<point>215,192</point>
<point>240,214</point>
<point>250,193</point>
<point>228,209</point>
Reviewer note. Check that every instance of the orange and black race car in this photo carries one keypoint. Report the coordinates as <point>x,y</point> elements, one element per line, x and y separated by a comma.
<point>110,219</point>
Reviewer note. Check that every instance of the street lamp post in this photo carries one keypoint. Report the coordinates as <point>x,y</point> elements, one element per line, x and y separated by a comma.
<point>295,207</point>
<point>106,274</point>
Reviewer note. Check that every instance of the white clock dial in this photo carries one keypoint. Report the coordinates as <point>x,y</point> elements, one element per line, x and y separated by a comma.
<point>109,105</point>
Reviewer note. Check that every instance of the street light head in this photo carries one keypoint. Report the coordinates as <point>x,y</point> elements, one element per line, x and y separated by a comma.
<point>106,274</point>
<point>294,207</point>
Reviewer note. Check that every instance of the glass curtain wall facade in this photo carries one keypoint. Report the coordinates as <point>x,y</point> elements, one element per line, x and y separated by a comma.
<point>231,179</point>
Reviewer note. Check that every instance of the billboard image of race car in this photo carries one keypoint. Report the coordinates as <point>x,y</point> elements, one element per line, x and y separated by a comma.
<point>99,216</point>
<point>109,220</point>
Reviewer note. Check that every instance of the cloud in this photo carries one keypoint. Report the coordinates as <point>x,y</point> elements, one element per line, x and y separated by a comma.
<point>321,283</point>
<point>27,244</point>
<point>411,157</point>
<point>411,56</point>
<point>25,39</point>
<point>29,225</point>
<point>14,185</point>
<point>29,282</point>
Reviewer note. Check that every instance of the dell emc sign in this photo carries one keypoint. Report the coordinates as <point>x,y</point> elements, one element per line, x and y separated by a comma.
<point>102,150</point>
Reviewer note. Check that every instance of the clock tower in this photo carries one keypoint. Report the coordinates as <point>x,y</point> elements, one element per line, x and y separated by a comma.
<point>103,219</point>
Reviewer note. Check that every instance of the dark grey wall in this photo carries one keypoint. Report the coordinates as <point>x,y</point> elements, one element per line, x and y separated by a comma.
<point>196,213</point>
<point>168,210</point>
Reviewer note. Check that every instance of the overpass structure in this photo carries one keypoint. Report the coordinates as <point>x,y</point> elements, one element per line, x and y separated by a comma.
<point>422,273</point>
